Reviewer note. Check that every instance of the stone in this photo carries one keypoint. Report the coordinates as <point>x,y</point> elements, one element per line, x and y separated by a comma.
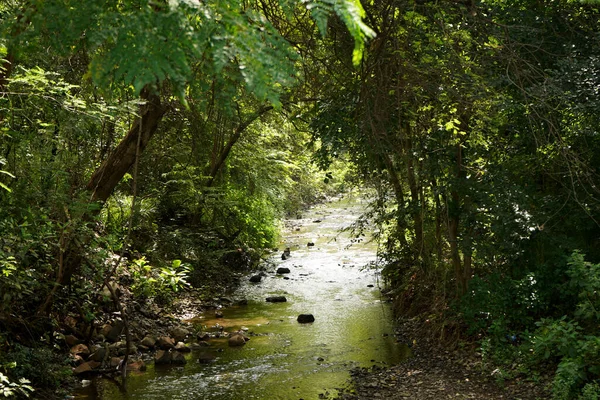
<point>148,341</point>
<point>182,347</point>
<point>98,355</point>
<point>106,328</point>
<point>80,350</point>
<point>179,334</point>
<point>86,367</point>
<point>199,345</point>
<point>71,340</point>
<point>206,358</point>
<point>138,365</point>
<point>115,361</point>
<point>276,299</point>
<point>123,349</point>
<point>115,331</point>
<point>255,278</point>
<point>202,336</point>
<point>165,342</point>
<point>237,340</point>
<point>114,347</point>
<point>305,318</point>
<point>283,270</point>
<point>162,357</point>
<point>178,358</point>
<point>310,244</point>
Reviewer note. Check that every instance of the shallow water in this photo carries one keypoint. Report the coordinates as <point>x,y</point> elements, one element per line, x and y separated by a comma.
<point>284,359</point>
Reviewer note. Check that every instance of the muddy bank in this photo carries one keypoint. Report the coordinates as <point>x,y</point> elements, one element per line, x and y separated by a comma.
<point>435,372</point>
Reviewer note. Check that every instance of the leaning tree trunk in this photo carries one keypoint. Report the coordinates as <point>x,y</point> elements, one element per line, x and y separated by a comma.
<point>105,179</point>
<point>109,174</point>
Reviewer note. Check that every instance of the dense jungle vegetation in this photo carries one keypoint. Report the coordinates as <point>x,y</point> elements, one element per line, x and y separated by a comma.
<point>171,136</point>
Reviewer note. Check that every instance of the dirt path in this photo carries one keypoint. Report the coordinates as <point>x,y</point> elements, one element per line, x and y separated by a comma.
<point>434,374</point>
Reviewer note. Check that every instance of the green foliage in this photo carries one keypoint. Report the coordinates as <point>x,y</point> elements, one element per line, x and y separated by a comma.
<point>591,391</point>
<point>174,276</point>
<point>149,281</point>
<point>41,366</point>
<point>570,342</point>
<point>584,283</point>
<point>10,389</point>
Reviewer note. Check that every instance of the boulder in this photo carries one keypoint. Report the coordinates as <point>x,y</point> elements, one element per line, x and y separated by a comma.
<point>162,357</point>
<point>199,345</point>
<point>202,336</point>
<point>86,367</point>
<point>71,340</point>
<point>179,334</point>
<point>206,358</point>
<point>255,278</point>
<point>182,347</point>
<point>138,365</point>
<point>283,270</point>
<point>237,340</point>
<point>148,341</point>
<point>105,330</point>
<point>115,362</point>
<point>165,342</point>
<point>80,350</point>
<point>305,318</point>
<point>178,358</point>
<point>116,329</point>
<point>98,355</point>
<point>276,299</point>
<point>123,349</point>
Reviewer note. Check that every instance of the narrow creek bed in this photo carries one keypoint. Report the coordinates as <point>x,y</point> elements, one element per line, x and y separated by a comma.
<point>285,359</point>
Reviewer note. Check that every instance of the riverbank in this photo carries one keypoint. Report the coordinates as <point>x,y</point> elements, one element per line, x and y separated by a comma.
<point>435,372</point>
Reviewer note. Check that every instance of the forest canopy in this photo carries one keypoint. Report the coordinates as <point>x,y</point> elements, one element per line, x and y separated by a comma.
<point>176,134</point>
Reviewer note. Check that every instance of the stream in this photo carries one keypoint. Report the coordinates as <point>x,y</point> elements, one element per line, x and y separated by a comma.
<point>285,359</point>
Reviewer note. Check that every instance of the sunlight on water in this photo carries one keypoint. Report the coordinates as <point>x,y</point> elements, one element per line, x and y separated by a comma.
<point>284,359</point>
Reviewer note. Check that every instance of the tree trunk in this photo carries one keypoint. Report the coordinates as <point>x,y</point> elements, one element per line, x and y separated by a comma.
<point>413,185</point>
<point>399,194</point>
<point>438,222</point>
<point>454,212</point>
<point>220,161</point>
<point>111,171</point>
